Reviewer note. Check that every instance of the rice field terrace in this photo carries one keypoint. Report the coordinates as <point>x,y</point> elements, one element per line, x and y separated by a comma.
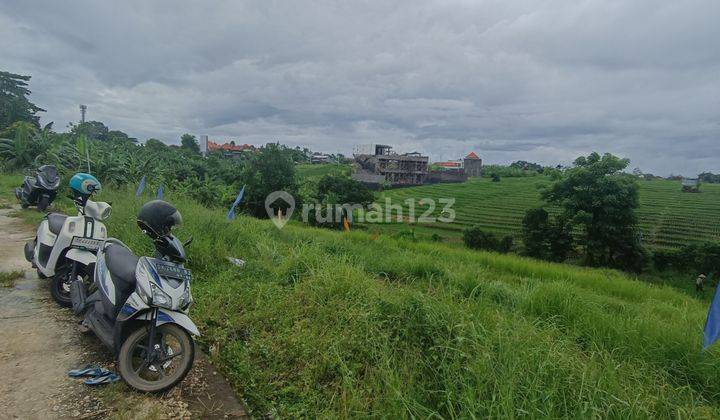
<point>668,217</point>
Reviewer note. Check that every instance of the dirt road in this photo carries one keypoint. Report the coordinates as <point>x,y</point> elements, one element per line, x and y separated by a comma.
<point>40,342</point>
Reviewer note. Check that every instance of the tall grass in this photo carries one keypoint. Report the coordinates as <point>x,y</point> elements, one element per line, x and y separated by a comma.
<point>328,324</point>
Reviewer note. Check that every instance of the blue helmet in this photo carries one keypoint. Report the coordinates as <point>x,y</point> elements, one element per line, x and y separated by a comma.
<point>84,185</point>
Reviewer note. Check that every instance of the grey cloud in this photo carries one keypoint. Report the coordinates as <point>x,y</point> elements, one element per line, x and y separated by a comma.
<point>543,81</point>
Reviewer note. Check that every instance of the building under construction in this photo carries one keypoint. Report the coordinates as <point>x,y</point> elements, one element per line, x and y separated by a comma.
<point>377,165</point>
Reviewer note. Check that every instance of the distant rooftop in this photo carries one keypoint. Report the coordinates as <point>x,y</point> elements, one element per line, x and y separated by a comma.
<point>449,164</point>
<point>229,147</point>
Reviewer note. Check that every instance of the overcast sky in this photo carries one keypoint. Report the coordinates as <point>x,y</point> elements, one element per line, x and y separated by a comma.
<point>538,80</point>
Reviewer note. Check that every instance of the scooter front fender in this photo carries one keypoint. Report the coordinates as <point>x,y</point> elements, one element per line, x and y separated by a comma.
<point>83,257</point>
<point>166,316</point>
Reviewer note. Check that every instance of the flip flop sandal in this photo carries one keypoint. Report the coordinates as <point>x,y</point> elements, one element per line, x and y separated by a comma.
<point>92,371</point>
<point>105,379</point>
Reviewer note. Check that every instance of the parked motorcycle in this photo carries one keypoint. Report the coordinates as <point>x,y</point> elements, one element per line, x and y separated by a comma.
<point>64,247</point>
<point>39,190</point>
<point>140,305</point>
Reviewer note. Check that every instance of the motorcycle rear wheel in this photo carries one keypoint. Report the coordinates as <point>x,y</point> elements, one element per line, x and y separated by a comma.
<point>177,350</point>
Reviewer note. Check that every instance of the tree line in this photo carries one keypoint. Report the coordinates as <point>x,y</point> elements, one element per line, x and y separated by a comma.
<point>121,161</point>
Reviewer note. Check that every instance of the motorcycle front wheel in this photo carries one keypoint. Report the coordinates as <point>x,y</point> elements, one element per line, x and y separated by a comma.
<point>60,289</point>
<point>173,357</point>
<point>60,285</point>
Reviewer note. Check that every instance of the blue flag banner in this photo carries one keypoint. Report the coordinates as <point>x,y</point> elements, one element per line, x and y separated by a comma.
<point>231,212</point>
<point>160,192</point>
<point>140,187</point>
<point>712,325</point>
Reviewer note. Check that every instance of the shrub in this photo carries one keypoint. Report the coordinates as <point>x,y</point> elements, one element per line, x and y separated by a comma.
<point>270,170</point>
<point>561,240</point>
<point>476,238</point>
<point>332,192</point>
<point>545,239</point>
<point>703,257</point>
<point>663,259</point>
<point>535,228</point>
<point>505,245</point>
<point>208,193</point>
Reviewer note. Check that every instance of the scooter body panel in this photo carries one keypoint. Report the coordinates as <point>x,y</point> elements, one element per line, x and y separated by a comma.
<point>80,255</point>
<point>102,277</point>
<point>136,307</point>
<point>51,248</point>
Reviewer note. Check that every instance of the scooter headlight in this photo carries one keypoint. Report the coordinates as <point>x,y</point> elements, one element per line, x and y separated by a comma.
<point>160,298</point>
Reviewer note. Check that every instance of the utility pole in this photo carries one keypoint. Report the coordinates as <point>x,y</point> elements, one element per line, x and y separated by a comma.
<point>83,110</point>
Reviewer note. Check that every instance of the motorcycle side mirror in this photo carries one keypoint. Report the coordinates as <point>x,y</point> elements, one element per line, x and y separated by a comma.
<point>188,242</point>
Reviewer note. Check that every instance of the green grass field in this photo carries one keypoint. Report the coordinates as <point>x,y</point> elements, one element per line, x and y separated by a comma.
<point>329,324</point>
<point>314,172</point>
<point>321,323</point>
<point>668,217</point>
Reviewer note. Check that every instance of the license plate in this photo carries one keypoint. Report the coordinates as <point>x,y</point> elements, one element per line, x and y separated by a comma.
<point>89,244</point>
<point>174,271</point>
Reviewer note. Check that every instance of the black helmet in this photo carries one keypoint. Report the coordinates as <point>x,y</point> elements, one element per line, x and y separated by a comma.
<point>157,217</point>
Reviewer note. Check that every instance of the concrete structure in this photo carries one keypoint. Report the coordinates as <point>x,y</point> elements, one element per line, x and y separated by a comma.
<point>450,164</point>
<point>691,185</point>
<point>375,163</point>
<point>203,144</point>
<point>472,164</point>
<point>318,158</point>
<point>435,177</point>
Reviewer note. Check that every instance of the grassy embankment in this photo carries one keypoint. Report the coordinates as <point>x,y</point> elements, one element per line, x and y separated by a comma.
<point>667,216</point>
<point>322,323</point>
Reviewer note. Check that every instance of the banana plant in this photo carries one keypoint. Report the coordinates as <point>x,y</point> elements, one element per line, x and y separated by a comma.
<point>28,146</point>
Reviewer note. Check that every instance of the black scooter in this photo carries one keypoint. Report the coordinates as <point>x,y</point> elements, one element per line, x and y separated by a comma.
<point>39,190</point>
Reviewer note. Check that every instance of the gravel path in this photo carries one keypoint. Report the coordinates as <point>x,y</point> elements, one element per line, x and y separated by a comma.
<point>40,342</point>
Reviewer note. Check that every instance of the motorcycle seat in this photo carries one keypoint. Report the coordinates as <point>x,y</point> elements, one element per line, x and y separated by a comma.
<point>56,222</point>
<point>121,264</point>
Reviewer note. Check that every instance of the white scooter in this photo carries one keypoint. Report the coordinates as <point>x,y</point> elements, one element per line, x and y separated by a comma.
<point>65,246</point>
<point>140,305</point>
